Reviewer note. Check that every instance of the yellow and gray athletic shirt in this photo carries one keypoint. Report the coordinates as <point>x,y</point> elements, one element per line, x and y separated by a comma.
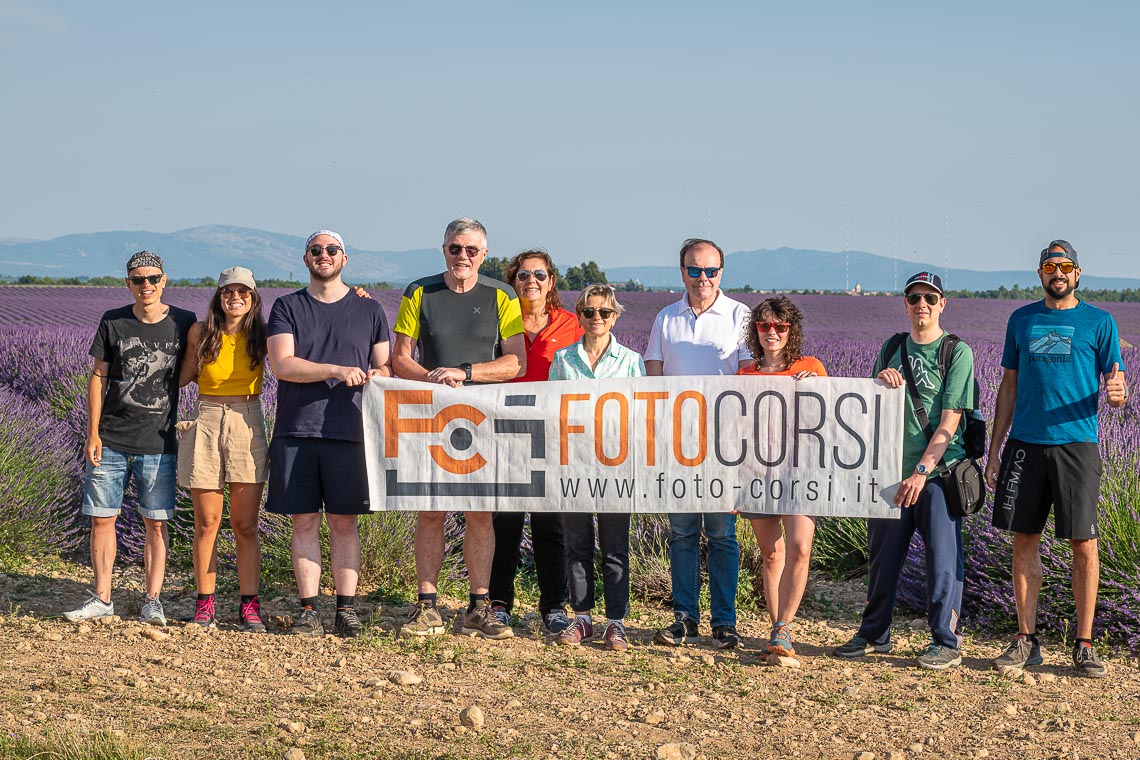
<point>452,328</point>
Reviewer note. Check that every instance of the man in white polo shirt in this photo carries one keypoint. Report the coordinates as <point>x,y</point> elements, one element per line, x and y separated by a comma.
<point>702,334</point>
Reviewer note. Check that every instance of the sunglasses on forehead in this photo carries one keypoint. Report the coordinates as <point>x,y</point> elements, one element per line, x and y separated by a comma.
<point>590,311</point>
<point>930,298</point>
<point>153,279</point>
<point>1066,267</point>
<point>526,274</point>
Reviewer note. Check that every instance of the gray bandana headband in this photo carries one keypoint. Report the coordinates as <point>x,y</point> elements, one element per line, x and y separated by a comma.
<point>144,259</point>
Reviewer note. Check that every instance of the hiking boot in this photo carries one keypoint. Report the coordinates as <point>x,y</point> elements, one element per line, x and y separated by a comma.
<point>684,629</point>
<point>614,638</point>
<point>860,647</point>
<point>425,621</point>
<point>482,622</point>
<point>152,613</point>
<point>501,614</point>
<point>580,630</point>
<point>94,607</point>
<point>780,642</point>
<point>250,614</point>
<point>347,624</point>
<point>556,622</point>
<point>204,614</point>
<point>1087,662</point>
<point>1021,652</point>
<point>308,624</point>
<point>938,657</point>
<point>725,636</point>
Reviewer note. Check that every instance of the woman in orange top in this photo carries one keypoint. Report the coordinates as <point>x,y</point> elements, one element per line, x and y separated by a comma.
<point>775,337</point>
<point>225,443</point>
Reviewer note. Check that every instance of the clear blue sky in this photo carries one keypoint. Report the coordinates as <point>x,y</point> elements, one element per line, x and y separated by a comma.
<point>603,131</point>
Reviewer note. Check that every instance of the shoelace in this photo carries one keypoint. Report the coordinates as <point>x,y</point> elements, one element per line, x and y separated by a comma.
<point>251,611</point>
<point>618,631</point>
<point>204,609</point>
<point>348,615</point>
<point>578,624</point>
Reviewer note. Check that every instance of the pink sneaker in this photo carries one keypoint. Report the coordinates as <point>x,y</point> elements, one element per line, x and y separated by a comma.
<point>579,631</point>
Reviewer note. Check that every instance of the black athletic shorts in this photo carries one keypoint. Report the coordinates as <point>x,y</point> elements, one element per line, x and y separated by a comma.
<point>306,474</point>
<point>1034,477</point>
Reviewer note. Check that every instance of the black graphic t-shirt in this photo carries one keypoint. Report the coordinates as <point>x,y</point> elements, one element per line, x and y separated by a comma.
<point>141,405</point>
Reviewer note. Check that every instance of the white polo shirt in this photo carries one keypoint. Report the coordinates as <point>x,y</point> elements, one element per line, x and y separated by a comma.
<point>711,343</point>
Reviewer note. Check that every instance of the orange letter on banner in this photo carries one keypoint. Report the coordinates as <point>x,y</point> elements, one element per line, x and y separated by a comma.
<point>564,429</point>
<point>651,400</point>
<point>394,425</point>
<point>623,430</point>
<point>702,432</point>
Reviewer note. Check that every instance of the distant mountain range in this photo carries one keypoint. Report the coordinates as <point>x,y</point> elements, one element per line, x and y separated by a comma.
<point>204,251</point>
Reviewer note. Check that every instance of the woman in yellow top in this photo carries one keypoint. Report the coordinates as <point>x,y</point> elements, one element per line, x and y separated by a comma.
<point>225,443</point>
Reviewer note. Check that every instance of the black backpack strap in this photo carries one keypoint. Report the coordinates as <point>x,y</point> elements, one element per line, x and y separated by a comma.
<point>946,353</point>
<point>919,408</point>
<point>891,346</point>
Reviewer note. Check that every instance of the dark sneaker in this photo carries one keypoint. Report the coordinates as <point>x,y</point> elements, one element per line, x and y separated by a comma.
<point>250,614</point>
<point>501,614</point>
<point>614,638</point>
<point>308,624</point>
<point>347,624</point>
<point>556,622</point>
<point>938,657</point>
<point>94,607</point>
<point>152,613</point>
<point>1087,662</point>
<point>1021,652</point>
<point>860,647</point>
<point>781,641</point>
<point>204,615</point>
<point>725,636</point>
<point>580,630</point>
<point>684,629</point>
<point>482,622</point>
<point>425,621</point>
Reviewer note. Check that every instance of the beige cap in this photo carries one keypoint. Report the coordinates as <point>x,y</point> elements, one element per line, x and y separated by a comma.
<point>237,276</point>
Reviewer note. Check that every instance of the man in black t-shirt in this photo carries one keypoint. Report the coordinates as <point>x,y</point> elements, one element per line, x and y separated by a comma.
<point>324,343</point>
<point>132,405</point>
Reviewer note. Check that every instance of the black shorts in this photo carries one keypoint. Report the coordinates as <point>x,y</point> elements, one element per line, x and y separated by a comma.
<point>306,474</point>
<point>1035,477</point>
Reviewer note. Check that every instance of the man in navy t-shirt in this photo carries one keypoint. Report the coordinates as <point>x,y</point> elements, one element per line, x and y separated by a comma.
<point>1056,353</point>
<point>324,343</point>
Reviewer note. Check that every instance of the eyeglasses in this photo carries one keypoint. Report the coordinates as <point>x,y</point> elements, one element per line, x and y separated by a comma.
<point>779,327</point>
<point>525,274</point>
<point>472,251</point>
<point>710,272</point>
<point>930,298</point>
<point>331,250</point>
<point>590,311</point>
<point>1066,267</point>
<point>242,293</point>
<point>139,279</point>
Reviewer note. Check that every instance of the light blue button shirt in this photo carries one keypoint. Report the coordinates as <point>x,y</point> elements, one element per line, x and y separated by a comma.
<point>571,363</point>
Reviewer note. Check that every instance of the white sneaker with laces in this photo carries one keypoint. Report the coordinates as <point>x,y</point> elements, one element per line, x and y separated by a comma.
<point>94,607</point>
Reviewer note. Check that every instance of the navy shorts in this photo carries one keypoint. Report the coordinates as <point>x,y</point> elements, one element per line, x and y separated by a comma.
<point>1035,478</point>
<point>308,474</point>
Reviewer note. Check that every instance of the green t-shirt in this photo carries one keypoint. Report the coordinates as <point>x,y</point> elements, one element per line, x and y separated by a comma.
<point>957,392</point>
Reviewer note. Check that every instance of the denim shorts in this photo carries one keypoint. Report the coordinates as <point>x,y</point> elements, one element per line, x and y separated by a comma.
<point>154,474</point>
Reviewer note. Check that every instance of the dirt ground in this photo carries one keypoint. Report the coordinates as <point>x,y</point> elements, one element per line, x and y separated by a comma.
<point>223,693</point>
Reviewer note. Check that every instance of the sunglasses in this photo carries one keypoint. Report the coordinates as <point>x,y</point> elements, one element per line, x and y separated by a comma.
<point>710,272</point>
<point>455,249</point>
<point>525,274</point>
<point>930,298</point>
<point>239,292</point>
<point>590,311</point>
<point>779,327</point>
<point>1066,267</point>
<point>331,250</point>
<point>153,279</point>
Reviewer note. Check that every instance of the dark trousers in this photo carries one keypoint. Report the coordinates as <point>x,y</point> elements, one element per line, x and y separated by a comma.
<point>613,540</point>
<point>549,559</point>
<point>888,543</point>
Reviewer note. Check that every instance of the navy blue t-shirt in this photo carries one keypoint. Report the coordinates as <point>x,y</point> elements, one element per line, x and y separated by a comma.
<point>341,333</point>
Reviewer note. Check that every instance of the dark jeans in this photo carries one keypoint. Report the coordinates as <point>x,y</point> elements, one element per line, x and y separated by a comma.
<point>549,560</point>
<point>613,539</point>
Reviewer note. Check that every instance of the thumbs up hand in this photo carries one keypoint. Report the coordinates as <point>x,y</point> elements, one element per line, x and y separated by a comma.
<point>1114,386</point>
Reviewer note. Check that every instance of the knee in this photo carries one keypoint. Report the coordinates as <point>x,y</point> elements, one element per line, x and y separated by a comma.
<point>431,520</point>
<point>799,551</point>
<point>479,521</point>
<point>245,530</point>
<point>684,527</point>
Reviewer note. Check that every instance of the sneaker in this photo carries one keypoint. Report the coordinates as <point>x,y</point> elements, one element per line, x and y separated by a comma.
<point>1021,652</point>
<point>308,624</point>
<point>250,613</point>
<point>94,607</point>
<point>938,657</point>
<point>347,623</point>
<point>614,638</point>
<point>860,647</point>
<point>482,622</point>
<point>580,630</point>
<point>501,614</point>
<point>425,621</point>
<point>781,641</point>
<point>152,613</point>
<point>725,636</point>
<point>204,615</point>
<point>684,629</point>
<point>556,622</point>
<point>1087,662</point>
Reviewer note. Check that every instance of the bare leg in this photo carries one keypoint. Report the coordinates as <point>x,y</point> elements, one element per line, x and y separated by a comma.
<point>307,554</point>
<point>154,555</point>
<point>770,538</point>
<point>245,504</point>
<point>207,518</point>
<point>104,545</point>
<point>1086,578</point>
<point>479,550</point>
<point>1027,579</point>
<point>799,530</point>
<point>345,539</point>
<point>429,550</point>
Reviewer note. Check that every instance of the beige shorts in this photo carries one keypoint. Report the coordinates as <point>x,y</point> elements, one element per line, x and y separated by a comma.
<point>224,443</point>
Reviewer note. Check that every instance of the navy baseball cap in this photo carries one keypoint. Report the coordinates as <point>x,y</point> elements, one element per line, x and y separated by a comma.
<point>1069,252</point>
<point>926,278</point>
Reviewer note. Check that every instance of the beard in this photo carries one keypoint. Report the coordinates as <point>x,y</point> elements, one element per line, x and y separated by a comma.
<point>1061,289</point>
<point>337,268</point>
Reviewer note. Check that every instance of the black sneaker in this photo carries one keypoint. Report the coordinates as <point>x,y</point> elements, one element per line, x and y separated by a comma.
<point>938,657</point>
<point>308,624</point>
<point>684,629</point>
<point>347,624</point>
<point>725,636</point>
<point>1087,662</point>
<point>1021,652</point>
<point>860,647</point>
<point>556,621</point>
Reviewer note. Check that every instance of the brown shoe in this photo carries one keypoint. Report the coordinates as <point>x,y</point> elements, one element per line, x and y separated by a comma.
<point>425,621</point>
<point>482,621</point>
<point>580,630</point>
<point>614,638</point>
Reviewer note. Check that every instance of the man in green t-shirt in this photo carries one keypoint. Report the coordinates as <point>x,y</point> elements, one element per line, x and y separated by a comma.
<point>920,494</point>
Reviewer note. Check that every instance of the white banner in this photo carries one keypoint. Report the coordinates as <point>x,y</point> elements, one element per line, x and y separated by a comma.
<point>775,445</point>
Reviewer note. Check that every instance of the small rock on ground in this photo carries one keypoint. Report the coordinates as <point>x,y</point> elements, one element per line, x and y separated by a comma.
<point>472,717</point>
<point>675,751</point>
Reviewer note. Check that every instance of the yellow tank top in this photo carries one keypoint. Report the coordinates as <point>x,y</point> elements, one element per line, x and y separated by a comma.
<point>227,377</point>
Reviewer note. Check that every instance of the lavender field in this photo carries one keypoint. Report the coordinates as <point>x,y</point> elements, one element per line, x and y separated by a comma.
<point>45,334</point>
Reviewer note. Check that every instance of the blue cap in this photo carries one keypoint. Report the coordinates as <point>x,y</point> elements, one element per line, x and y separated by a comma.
<point>1069,252</point>
<point>926,278</point>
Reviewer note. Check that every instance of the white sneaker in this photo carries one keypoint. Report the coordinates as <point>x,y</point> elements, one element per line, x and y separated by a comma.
<point>94,607</point>
<point>152,612</point>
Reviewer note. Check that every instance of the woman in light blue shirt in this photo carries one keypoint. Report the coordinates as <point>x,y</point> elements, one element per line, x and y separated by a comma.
<point>597,355</point>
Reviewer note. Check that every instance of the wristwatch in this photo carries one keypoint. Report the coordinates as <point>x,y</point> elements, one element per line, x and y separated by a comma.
<point>466,367</point>
<point>921,469</point>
